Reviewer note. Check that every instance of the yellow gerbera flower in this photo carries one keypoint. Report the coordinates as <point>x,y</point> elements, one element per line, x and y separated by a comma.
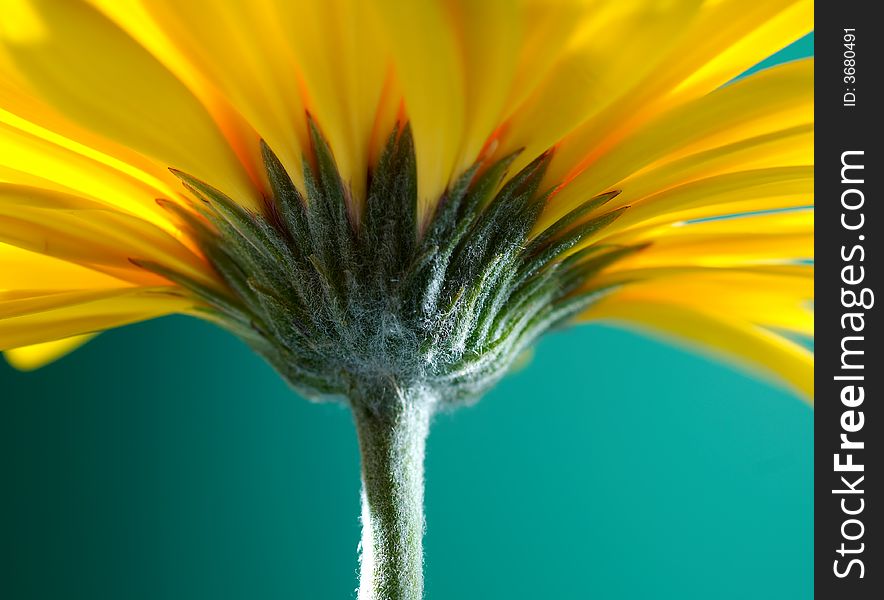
<point>390,201</point>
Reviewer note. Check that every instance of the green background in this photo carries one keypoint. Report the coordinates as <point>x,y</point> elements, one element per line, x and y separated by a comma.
<point>165,461</point>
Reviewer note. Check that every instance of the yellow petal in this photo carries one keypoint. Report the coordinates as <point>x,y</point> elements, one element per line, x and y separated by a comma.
<point>727,117</point>
<point>85,232</point>
<point>758,350</point>
<point>30,117</point>
<point>780,187</point>
<point>773,299</point>
<point>727,250</point>
<point>28,358</point>
<point>490,36</point>
<point>428,61</point>
<point>785,148</point>
<point>547,28</point>
<point>95,74</point>
<point>16,303</point>
<point>708,34</point>
<point>35,158</point>
<point>25,270</point>
<point>765,238</point>
<point>87,313</point>
<point>781,149</point>
<point>342,55</point>
<point>134,17</point>
<point>234,54</point>
<point>770,34</point>
<point>587,76</point>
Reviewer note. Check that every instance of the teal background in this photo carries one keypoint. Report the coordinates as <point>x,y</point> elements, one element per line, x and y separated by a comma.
<point>165,461</point>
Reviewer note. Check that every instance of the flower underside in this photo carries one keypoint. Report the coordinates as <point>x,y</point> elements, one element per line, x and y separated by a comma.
<point>339,306</point>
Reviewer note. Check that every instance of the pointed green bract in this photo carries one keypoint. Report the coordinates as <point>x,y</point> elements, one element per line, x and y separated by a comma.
<point>287,198</point>
<point>341,298</point>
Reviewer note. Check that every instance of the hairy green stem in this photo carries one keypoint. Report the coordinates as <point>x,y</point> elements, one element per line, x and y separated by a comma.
<point>392,433</point>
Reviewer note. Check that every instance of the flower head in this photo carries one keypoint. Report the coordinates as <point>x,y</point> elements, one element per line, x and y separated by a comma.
<point>612,123</point>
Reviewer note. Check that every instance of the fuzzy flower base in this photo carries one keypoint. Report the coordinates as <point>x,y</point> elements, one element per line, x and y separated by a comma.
<point>341,303</point>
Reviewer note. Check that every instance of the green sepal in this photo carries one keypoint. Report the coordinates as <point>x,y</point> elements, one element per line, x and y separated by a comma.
<point>542,239</point>
<point>389,226</point>
<point>558,246</point>
<point>291,205</point>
